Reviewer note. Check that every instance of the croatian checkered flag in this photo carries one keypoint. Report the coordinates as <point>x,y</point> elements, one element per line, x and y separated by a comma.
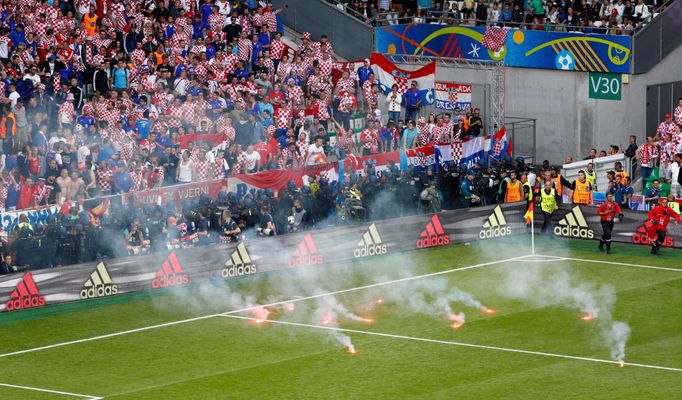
<point>497,149</point>
<point>494,38</point>
<point>456,151</point>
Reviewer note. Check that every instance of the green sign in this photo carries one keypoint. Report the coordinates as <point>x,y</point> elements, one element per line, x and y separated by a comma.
<point>605,86</point>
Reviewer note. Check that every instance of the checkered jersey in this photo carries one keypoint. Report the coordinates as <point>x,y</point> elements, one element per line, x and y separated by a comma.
<point>346,84</point>
<point>216,22</point>
<point>648,154</point>
<point>219,168</point>
<point>367,92</point>
<point>677,114</point>
<point>345,142</point>
<point>494,38</point>
<point>244,46</point>
<point>283,117</point>
<point>347,102</point>
<point>295,94</point>
<point>67,112</point>
<point>425,134</point>
<point>271,20</point>
<point>370,140</point>
<point>103,179</point>
<point>239,165</point>
<point>276,49</point>
<point>440,134</point>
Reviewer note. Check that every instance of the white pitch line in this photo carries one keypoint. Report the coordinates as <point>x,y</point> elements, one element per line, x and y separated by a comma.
<point>373,285</point>
<point>614,263</point>
<point>146,328</point>
<point>446,342</point>
<point>34,389</point>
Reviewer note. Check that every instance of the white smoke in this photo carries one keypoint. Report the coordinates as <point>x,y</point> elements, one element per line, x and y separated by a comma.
<point>616,337</point>
<point>553,286</point>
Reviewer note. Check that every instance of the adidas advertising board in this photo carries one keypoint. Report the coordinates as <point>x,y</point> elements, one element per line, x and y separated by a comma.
<point>433,234</point>
<point>306,253</point>
<point>99,284</point>
<point>339,244</point>
<point>370,244</point>
<point>239,264</point>
<point>170,274</point>
<point>574,225</point>
<point>495,226</point>
<point>641,237</point>
<point>25,295</point>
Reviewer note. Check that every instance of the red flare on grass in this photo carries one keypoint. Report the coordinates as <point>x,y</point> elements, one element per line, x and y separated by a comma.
<point>351,350</point>
<point>489,311</point>
<point>367,320</point>
<point>380,301</point>
<point>289,307</point>
<point>457,321</point>
<point>260,315</point>
<point>621,363</point>
<point>587,317</point>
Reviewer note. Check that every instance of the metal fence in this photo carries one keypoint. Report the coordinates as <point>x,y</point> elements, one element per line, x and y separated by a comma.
<point>352,38</point>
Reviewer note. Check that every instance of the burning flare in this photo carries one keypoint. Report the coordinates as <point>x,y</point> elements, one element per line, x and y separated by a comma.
<point>380,301</point>
<point>587,317</point>
<point>621,363</point>
<point>457,320</point>
<point>489,311</point>
<point>260,314</point>
<point>351,349</point>
<point>368,320</point>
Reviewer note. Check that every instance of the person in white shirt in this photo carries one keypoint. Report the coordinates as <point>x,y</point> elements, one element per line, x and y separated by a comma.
<point>251,160</point>
<point>672,174</point>
<point>642,13</point>
<point>394,101</point>
<point>315,154</point>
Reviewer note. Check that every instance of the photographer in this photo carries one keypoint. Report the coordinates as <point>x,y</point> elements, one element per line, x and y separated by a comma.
<point>134,237</point>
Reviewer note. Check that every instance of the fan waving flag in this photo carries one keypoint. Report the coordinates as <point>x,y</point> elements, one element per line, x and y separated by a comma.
<point>494,38</point>
<point>388,74</point>
<point>501,144</point>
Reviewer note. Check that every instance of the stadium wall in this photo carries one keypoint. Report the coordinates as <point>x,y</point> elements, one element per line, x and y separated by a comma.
<point>314,249</point>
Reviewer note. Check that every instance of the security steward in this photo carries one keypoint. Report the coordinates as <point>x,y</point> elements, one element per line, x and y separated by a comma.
<point>607,211</point>
<point>582,189</point>
<point>549,203</point>
<point>513,191</point>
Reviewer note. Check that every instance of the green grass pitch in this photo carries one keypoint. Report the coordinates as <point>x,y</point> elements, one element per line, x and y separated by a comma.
<point>230,358</point>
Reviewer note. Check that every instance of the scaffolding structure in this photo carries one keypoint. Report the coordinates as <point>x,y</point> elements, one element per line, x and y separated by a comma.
<point>496,77</point>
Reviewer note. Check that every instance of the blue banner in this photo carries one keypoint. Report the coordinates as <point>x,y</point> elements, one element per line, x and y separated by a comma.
<point>574,51</point>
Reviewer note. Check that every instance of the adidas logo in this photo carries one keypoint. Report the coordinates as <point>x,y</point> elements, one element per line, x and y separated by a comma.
<point>99,284</point>
<point>574,225</point>
<point>170,273</point>
<point>433,234</point>
<point>641,237</point>
<point>370,244</point>
<point>306,254</point>
<point>495,226</point>
<point>239,264</point>
<point>25,295</point>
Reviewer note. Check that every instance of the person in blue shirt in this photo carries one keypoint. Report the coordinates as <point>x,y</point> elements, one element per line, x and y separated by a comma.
<point>264,38</point>
<point>198,27</point>
<point>85,120</point>
<point>257,49</point>
<point>18,35</point>
<point>122,182</point>
<point>413,102</point>
<point>142,126</point>
<point>364,71</point>
<point>206,11</point>
<point>105,151</point>
<point>652,195</point>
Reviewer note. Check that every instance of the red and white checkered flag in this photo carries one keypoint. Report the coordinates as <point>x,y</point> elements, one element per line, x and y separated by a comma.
<point>494,38</point>
<point>456,150</point>
<point>497,148</point>
<point>452,96</point>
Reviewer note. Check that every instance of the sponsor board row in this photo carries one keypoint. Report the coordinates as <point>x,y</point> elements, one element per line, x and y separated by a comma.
<point>238,261</point>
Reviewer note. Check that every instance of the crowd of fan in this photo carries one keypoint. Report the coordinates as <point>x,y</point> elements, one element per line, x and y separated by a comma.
<point>100,98</point>
<point>619,17</point>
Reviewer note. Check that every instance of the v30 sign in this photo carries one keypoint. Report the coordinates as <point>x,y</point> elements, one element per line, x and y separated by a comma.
<point>605,86</point>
